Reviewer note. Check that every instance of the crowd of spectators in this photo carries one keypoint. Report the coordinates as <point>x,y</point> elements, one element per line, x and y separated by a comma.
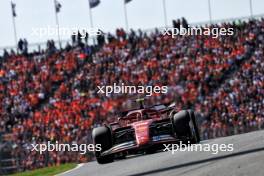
<point>27,83</point>
<point>52,95</point>
<point>238,105</point>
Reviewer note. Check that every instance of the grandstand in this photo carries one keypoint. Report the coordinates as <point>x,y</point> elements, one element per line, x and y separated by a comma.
<point>50,94</point>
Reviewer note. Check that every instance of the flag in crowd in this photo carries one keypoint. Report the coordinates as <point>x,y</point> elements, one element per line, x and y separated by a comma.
<point>127,1</point>
<point>57,6</point>
<point>13,6</point>
<point>94,3</point>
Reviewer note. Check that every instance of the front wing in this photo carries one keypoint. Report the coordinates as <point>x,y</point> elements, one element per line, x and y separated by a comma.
<point>133,146</point>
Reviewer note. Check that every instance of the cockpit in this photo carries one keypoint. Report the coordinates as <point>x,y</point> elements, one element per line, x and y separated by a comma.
<point>138,115</point>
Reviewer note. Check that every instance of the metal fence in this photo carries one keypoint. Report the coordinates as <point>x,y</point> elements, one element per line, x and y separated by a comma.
<point>8,162</point>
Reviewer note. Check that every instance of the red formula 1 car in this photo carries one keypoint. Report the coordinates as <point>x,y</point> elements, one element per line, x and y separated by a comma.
<point>144,130</point>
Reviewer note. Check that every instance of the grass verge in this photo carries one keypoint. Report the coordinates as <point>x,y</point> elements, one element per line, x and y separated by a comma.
<point>47,171</point>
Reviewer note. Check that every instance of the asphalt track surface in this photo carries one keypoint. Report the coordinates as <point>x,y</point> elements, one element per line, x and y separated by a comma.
<point>247,159</point>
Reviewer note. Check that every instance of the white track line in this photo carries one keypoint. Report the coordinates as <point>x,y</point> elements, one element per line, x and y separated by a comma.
<point>77,167</point>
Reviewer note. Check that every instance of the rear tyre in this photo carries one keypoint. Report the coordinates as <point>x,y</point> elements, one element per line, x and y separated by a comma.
<point>102,136</point>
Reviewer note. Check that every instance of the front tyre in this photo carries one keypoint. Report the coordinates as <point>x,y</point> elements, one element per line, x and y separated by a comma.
<point>194,128</point>
<point>102,136</point>
<point>184,124</point>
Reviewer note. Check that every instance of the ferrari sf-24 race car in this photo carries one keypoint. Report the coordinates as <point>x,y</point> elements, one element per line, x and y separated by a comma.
<point>144,130</point>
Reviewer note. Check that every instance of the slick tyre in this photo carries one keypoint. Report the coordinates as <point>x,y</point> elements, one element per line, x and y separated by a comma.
<point>184,124</point>
<point>102,136</point>
<point>194,127</point>
<point>181,123</point>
